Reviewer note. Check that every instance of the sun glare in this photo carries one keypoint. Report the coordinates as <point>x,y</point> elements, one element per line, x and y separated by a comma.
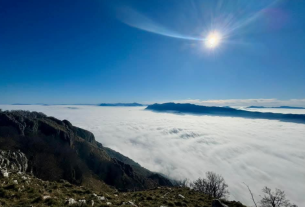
<point>213,39</point>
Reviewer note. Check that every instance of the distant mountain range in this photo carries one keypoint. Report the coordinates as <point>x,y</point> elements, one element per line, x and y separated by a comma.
<point>120,104</point>
<point>42,104</point>
<point>224,111</point>
<point>275,107</point>
<point>102,104</point>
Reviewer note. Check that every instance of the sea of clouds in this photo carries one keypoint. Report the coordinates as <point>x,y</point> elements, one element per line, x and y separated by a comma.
<point>257,152</point>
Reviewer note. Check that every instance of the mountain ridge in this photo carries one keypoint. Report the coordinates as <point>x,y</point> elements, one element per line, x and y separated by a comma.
<point>121,104</point>
<point>58,150</point>
<point>224,111</point>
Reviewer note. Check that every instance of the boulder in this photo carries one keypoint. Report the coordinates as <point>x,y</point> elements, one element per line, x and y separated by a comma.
<point>71,201</point>
<point>4,173</point>
<point>181,196</point>
<point>132,203</point>
<point>45,197</point>
<point>102,198</point>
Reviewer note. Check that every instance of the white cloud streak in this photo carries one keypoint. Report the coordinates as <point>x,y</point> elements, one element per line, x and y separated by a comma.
<point>209,16</point>
<point>257,152</point>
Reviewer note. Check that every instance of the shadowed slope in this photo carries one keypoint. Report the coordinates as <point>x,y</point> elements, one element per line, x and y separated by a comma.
<point>58,150</point>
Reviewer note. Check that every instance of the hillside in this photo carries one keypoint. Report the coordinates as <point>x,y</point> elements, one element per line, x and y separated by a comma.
<point>19,189</point>
<point>58,150</point>
<point>48,162</point>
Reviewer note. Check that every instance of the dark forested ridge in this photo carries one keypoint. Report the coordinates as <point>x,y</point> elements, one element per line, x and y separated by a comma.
<point>224,111</point>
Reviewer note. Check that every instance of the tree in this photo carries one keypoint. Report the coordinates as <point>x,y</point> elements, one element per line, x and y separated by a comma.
<point>213,185</point>
<point>274,199</point>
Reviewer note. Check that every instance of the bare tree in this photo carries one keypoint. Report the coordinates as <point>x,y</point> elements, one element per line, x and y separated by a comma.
<point>213,185</point>
<point>275,199</point>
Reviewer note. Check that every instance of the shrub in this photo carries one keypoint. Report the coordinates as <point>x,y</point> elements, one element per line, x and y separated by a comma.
<point>213,185</point>
<point>274,199</point>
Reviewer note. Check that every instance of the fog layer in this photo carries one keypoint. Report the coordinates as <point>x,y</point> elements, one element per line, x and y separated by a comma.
<point>257,152</point>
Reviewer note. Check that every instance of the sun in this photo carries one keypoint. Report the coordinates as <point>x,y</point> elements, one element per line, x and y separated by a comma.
<point>213,39</point>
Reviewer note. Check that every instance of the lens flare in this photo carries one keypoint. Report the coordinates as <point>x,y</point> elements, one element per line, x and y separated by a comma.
<point>223,20</point>
<point>213,39</point>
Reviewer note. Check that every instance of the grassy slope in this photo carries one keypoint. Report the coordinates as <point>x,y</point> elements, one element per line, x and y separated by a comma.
<point>30,192</point>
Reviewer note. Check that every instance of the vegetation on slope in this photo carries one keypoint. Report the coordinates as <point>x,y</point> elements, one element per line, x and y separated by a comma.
<point>21,190</point>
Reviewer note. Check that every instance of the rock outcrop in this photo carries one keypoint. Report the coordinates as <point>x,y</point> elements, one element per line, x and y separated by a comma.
<point>57,150</point>
<point>13,161</point>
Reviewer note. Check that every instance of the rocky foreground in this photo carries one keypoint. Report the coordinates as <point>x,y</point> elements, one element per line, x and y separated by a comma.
<point>18,188</point>
<point>48,162</point>
<point>58,150</point>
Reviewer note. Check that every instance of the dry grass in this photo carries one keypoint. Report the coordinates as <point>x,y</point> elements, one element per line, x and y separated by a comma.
<point>31,192</point>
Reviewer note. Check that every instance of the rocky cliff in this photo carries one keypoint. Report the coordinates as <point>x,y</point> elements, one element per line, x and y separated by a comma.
<point>57,150</point>
<point>12,162</point>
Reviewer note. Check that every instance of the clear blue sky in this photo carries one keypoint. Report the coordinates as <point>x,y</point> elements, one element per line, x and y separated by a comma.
<point>77,51</point>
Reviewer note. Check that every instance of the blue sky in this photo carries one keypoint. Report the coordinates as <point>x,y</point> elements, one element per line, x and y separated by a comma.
<point>96,51</point>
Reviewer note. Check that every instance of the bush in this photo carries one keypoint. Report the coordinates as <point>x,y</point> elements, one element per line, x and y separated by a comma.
<point>213,185</point>
<point>274,199</point>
